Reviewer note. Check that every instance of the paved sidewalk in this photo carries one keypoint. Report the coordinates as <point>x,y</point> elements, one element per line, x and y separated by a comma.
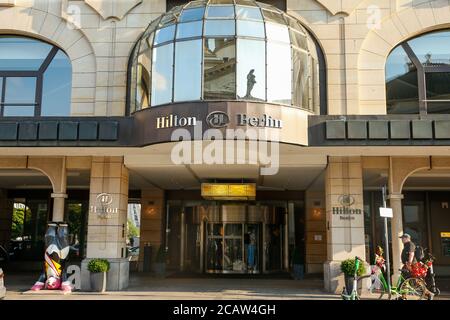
<point>149,288</point>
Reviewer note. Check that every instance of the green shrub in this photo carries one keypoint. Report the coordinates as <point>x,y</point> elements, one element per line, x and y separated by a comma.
<point>348,268</point>
<point>98,265</point>
<point>161,255</point>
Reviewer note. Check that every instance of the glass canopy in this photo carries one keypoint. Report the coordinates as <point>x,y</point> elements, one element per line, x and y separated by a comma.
<point>222,50</point>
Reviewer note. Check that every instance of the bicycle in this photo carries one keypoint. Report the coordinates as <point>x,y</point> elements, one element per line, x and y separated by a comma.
<point>411,288</point>
<point>354,294</point>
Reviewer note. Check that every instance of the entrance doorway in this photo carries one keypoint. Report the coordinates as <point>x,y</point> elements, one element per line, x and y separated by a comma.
<point>240,238</point>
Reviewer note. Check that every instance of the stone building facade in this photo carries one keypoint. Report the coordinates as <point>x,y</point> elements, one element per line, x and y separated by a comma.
<point>336,156</point>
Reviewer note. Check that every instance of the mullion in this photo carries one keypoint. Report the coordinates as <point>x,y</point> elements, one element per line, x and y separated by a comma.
<point>2,98</point>
<point>420,78</point>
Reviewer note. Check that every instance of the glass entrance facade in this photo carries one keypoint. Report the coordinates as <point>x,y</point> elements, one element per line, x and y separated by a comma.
<point>214,237</point>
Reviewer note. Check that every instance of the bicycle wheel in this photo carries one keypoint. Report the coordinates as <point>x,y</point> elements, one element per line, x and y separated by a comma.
<point>413,289</point>
<point>373,288</point>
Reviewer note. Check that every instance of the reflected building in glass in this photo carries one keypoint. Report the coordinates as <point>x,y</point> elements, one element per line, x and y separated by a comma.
<point>225,51</point>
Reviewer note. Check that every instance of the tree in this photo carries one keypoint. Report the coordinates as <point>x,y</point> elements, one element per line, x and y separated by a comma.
<point>17,222</point>
<point>132,230</point>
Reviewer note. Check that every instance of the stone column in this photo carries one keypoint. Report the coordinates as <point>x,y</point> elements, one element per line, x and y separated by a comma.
<point>395,202</point>
<point>107,222</point>
<point>345,220</point>
<point>58,206</point>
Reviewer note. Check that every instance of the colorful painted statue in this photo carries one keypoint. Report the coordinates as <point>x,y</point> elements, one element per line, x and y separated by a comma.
<point>57,246</point>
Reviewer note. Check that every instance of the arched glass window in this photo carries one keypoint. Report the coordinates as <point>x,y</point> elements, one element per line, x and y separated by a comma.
<point>35,78</point>
<point>418,75</point>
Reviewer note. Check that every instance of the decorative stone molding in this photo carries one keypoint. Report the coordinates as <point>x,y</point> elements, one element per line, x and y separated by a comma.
<point>113,8</point>
<point>336,6</point>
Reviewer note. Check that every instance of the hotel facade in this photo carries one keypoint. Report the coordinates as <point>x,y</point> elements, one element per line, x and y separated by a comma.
<point>233,132</point>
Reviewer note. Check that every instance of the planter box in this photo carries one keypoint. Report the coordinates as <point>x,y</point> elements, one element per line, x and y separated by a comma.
<point>98,281</point>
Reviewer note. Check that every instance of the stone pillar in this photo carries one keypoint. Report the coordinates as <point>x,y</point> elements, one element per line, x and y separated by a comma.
<point>152,217</point>
<point>345,220</point>
<point>6,213</point>
<point>58,206</point>
<point>395,202</point>
<point>107,222</point>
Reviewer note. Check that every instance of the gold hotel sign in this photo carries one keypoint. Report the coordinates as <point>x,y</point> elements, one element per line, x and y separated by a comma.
<point>229,191</point>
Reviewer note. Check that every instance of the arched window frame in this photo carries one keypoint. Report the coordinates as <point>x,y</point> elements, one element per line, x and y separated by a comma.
<point>37,74</point>
<point>422,71</point>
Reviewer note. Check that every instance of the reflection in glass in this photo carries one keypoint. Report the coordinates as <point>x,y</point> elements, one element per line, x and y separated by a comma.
<point>438,92</point>
<point>219,28</point>
<point>220,12</point>
<point>219,68</point>
<point>279,73</point>
<point>19,53</point>
<point>20,90</point>
<point>133,81</point>
<point>189,29</point>
<point>188,59</point>
<point>18,111</point>
<point>143,79</point>
<point>192,14</point>
<point>232,257</point>
<point>162,74</point>
<point>438,85</point>
<point>214,258</point>
<point>250,29</point>
<point>301,93</point>
<point>1,87</point>
<point>277,32</point>
<point>164,34</point>
<point>433,48</point>
<point>402,92</point>
<point>57,87</point>
<point>233,229</point>
<point>299,39</point>
<point>245,55</point>
<point>273,16</point>
<point>251,77</point>
<point>248,13</point>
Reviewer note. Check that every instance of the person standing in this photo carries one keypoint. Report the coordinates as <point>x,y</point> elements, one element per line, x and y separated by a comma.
<point>409,258</point>
<point>408,252</point>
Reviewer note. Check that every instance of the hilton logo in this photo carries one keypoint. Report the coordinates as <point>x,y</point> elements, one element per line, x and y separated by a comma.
<point>103,208</point>
<point>345,212</point>
<point>172,121</point>
<point>217,119</point>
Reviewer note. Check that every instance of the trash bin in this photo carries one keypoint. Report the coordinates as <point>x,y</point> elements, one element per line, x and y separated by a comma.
<point>147,257</point>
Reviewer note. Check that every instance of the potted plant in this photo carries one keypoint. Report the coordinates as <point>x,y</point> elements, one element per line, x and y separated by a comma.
<point>348,268</point>
<point>98,269</point>
<point>159,266</point>
<point>298,268</point>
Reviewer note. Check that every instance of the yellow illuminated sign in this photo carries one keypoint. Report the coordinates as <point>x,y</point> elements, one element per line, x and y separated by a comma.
<point>445,234</point>
<point>234,191</point>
